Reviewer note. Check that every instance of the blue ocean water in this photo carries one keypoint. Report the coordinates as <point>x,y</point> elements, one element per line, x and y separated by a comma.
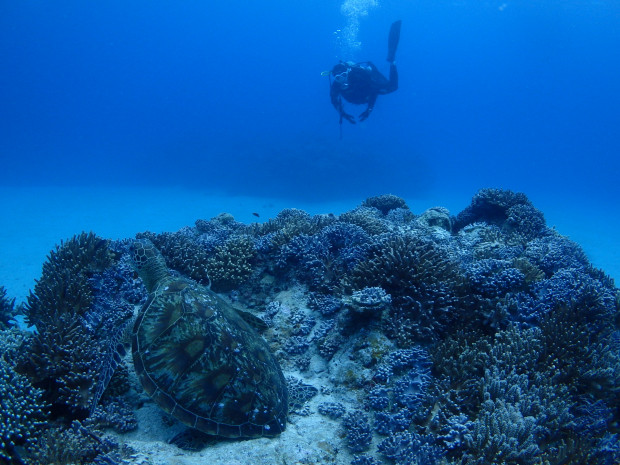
<point>121,117</point>
<point>228,96</point>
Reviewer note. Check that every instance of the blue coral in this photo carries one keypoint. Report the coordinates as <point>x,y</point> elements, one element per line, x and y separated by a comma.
<point>7,309</point>
<point>326,305</point>
<point>321,258</point>
<point>22,412</point>
<point>553,252</point>
<point>521,330</point>
<point>512,212</point>
<point>494,278</point>
<point>357,431</point>
<point>333,410</point>
<point>405,448</point>
<point>402,378</point>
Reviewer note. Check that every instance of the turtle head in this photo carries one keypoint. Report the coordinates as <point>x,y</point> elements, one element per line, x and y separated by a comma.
<point>149,263</point>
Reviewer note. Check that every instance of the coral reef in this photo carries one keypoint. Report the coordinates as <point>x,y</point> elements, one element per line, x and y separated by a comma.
<point>513,212</point>
<point>7,309</point>
<point>385,203</point>
<point>23,411</point>
<point>64,287</point>
<point>357,431</point>
<point>478,339</point>
<point>74,444</point>
<point>424,284</point>
<point>230,265</point>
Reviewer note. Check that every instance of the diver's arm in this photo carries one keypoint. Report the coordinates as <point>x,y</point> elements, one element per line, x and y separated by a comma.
<point>334,94</point>
<point>371,105</point>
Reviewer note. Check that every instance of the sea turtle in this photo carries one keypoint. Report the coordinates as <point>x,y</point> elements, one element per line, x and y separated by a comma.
<point>199,360</point>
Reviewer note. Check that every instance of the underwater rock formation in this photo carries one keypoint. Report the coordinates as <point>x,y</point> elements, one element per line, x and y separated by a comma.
<point>480,339</point>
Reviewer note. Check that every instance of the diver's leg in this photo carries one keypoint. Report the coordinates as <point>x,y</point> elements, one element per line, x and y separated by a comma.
<point>393,82</point>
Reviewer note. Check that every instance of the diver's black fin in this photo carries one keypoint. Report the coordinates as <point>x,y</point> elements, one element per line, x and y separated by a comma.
<point>393,39</point>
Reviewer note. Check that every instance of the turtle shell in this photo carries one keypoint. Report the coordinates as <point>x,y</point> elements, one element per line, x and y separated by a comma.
<point>203,364</point>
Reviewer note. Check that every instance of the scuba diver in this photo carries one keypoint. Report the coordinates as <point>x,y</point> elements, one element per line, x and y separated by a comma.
<point>361,83</point>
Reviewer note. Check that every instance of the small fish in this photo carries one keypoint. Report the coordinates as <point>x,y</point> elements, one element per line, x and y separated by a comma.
<point>255,214</point>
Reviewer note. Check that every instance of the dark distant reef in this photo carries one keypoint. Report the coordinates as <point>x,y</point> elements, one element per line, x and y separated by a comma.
<point>481,338</point>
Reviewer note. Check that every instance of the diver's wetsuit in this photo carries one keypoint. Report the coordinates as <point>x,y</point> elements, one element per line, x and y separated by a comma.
<point>360,83</point>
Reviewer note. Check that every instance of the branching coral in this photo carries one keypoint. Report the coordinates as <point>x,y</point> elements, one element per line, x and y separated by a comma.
<point>425,285</point>
<point>369,219</point>
<point>230,265</point>
<point>578,342</point>
<point>22,412</point>
<point>7,308</point>
<point>288,224</point>
<point>80,312</point>
<point>554,252</point>
<point>322,259</point>
<point>512,212</point>
<point>521,341</point>
<point>385,203</point>
<point>63,287</point>
<point>63,361</point>
<point>405,448</point>
<point>182,252</point>
<point>357,431</point>
<point>73,444</point>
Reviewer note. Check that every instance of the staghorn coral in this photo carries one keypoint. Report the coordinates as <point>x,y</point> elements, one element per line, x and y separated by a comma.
<point>113,413</point>
<point>64,362</point>
<point>515,412</point>
<point>503,435</point>
<point>579,342</point>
